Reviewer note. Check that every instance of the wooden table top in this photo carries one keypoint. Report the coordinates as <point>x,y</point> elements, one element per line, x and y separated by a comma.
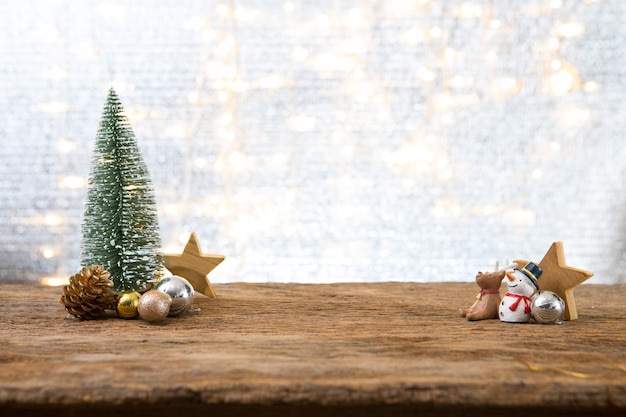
<point>290,349</point>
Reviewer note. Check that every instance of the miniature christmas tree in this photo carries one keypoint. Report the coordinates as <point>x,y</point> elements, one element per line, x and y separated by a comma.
<point>120,228</point>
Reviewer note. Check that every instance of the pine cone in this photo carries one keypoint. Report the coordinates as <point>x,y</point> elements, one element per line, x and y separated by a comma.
<point>88,293</point>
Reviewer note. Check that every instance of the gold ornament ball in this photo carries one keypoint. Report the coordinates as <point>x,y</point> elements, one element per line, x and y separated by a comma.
<point>154,306</point>
<point>127,303</point>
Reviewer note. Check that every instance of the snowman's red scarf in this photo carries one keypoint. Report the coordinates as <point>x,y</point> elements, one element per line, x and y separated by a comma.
<point>519,297</point>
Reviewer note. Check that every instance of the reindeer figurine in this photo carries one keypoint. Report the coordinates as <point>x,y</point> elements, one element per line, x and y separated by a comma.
<point>488,299</point>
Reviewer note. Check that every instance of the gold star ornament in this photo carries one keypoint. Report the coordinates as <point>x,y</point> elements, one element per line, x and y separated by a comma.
<point>194,266</point>
<point>560,278</point>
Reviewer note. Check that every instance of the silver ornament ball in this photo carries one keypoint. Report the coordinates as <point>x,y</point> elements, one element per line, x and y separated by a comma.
<point>547,308</point>
<point>181,292</point>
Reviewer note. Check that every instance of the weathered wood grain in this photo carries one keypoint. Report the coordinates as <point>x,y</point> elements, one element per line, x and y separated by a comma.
<point>287,349</point>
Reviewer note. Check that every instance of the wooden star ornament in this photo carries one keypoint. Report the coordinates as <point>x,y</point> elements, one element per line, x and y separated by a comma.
<point>560,278</point>
<point>194,266</point>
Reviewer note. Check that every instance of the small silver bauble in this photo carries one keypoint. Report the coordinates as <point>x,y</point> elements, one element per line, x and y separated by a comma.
<point>181,292</point>
<point>547,308</point>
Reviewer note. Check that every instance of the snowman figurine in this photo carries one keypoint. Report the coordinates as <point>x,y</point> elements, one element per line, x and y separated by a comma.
<point>522,284</point>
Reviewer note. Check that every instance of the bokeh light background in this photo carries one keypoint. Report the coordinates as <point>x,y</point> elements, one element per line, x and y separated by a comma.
<point>324,141</point>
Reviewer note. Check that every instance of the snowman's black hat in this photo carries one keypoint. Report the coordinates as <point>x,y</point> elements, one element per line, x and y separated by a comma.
<point>533,272</point>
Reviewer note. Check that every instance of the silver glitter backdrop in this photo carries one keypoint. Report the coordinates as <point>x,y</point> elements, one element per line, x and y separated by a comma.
<point>321,141</point>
